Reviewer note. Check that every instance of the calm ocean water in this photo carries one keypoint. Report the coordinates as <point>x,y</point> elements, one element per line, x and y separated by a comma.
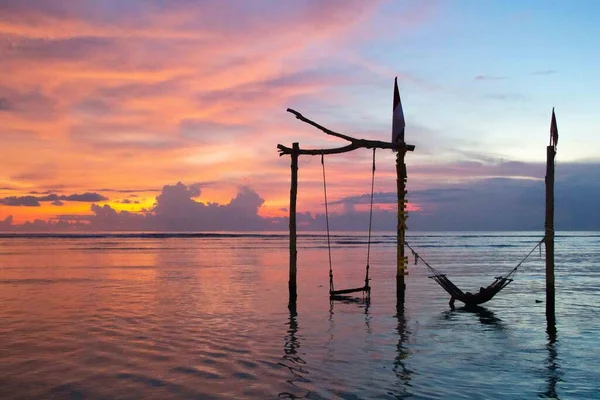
<point>205,316</point>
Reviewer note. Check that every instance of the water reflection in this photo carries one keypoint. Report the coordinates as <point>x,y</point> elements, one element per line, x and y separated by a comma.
<point>552,366</point>
<point>400,369</point>
<point>368,317</point>
<point>486,317</point>
<point>292,360</point>
<point>364,302</point>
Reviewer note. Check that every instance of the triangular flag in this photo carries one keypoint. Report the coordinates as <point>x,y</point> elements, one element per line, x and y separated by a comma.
<point>553,130</point>
<point>398,123</point>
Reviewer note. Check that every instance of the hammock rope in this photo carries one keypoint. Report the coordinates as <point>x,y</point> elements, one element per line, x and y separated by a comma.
<point>485,294</point>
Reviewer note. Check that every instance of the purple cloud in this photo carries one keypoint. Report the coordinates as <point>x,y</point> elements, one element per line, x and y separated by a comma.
<point>126,191</point>
<point>32,104</point>
<point>489,78</point>
<point>34,201</point>
<point>84,197</point>
<point>18,201</point>
<point>4,104</point>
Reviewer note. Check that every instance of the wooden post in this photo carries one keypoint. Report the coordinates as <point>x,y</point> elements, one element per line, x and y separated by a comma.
<point>293,252</point>
<point>549,238</point>
<point>402,216</point>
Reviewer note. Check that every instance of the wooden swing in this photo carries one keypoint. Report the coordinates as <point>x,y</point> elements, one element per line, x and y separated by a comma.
<point>365,289</point>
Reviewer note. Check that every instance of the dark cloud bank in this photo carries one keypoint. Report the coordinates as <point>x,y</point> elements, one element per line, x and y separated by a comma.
<point>57,200</point>
<point>485,204</point>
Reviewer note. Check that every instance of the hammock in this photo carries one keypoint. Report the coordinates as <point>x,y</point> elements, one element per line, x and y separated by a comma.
<point>485,294</point>
<point>470,299</point>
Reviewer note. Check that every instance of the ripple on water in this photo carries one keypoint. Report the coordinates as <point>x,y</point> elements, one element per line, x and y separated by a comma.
<point>164,323</point>
<point>197,372</point>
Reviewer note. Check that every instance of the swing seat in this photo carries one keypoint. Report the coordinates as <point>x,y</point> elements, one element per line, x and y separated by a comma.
<point>335,293</point>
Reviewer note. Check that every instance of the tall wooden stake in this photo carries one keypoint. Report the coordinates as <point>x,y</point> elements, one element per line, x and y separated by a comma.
<point>293,252</point>
<point>401,260</point>
<point>549,238</point>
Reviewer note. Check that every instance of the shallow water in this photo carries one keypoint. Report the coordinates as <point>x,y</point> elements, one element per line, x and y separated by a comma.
<point>205,316</point>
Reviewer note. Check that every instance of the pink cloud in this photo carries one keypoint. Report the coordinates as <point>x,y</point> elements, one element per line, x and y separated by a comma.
<point>155,92</point>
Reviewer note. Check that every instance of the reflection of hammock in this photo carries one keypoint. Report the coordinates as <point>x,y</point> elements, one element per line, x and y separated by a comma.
<point>470,299</point>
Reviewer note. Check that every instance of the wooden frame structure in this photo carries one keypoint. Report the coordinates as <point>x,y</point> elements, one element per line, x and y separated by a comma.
<point>400,147</point>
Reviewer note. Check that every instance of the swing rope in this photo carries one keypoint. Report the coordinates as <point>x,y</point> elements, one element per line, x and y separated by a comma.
<point>365,288</point>
<point>327,223</point>
<point>370,221</point>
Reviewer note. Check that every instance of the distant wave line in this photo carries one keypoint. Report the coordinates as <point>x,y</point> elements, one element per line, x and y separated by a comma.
<point>383,237</point>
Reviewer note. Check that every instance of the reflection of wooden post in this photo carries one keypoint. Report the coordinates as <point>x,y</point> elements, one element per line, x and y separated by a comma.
<point>549,237</point>
<point>400,369</point>
<point>293,252</point>
<point>402,216</point>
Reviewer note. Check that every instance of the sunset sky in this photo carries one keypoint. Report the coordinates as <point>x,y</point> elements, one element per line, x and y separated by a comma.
<point>165,115</point>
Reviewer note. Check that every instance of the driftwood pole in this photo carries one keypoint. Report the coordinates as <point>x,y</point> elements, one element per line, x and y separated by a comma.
<point>293,252</point>
<point>398,128</point>
<point>549,237</point>
<point>401,260</point>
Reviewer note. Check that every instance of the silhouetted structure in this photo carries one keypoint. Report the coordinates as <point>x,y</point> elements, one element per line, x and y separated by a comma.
<point>484,295</point>
<point>366,288</point>
<point>549,224</point>
<point>397,144</point>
